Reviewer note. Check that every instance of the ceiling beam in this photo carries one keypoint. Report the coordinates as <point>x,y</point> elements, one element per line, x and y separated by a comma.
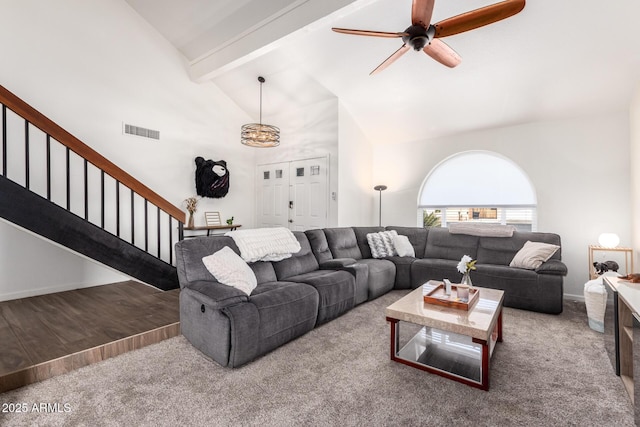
<point>261,37</point>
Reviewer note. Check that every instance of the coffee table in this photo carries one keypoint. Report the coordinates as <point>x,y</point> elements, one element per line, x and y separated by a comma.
<point>453,343</point>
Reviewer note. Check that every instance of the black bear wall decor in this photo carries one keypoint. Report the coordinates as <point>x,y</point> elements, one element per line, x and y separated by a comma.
<point>212,178</point>
<point>603,267</point>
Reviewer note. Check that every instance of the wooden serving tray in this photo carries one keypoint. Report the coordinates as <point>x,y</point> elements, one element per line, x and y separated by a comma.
<point>437,296</point>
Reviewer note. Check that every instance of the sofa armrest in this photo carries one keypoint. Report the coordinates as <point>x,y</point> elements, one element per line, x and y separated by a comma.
<point>215,294</point>
<point>336,263</point>
<point>553,266</point>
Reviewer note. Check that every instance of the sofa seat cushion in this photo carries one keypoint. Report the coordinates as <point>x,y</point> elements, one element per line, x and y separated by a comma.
<point>486,273</point>
<point>336,292</point>
<point>286,310</point>
<point>523,289</point>
<point>403,271</point>
<point>382,276</point>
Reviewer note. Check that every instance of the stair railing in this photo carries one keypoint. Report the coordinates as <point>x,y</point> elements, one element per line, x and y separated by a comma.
<point>125,204</point>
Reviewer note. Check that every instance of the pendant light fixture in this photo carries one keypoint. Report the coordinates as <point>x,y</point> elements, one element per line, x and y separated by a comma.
<point>258,134</point>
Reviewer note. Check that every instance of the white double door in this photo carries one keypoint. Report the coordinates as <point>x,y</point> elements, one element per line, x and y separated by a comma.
<point>293,194</point>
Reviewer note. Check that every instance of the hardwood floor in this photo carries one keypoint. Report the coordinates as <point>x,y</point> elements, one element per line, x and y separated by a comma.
<point>49,335</point>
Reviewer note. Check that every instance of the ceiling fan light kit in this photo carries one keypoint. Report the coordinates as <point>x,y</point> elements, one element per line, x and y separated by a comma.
<point>424,36</point>
<point>258,134</point>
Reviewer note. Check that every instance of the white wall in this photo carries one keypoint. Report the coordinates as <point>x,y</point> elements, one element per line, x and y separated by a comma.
<point>32,267</point>
<point>327,128</point>
<point>355,189</point>
<point>306,133</point>
<point>634,161</point>
<point>90,66</point>
<point>579,167</point>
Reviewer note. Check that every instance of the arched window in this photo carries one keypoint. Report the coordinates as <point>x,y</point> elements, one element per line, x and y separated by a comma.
<point>479,186</point>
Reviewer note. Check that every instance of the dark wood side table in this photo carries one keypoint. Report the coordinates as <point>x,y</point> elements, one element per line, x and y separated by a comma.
<point>210,228</point>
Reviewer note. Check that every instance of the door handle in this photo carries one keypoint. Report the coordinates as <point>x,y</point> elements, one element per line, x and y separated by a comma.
<point>290,220</point>
<point>290,204</point>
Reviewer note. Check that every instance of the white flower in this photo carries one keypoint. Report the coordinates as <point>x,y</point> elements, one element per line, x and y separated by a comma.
<point>463,265</point>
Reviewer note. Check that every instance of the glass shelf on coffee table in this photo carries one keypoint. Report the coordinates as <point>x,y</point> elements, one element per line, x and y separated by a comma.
<point>453,343</point>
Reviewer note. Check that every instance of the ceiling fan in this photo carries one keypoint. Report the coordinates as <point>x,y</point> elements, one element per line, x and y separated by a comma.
<point>422,35</point>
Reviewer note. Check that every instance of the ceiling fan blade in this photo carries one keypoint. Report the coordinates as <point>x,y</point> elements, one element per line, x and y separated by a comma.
<point>421,11</point>
<point>478,18</point>
<point>369,33</point>
<point>390,60</point>
<point>441,52</point>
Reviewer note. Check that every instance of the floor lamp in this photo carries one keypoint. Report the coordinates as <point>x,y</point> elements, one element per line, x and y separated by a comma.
<point>380,189</point>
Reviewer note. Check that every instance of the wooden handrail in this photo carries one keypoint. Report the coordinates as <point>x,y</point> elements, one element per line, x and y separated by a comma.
<point>43,123</point>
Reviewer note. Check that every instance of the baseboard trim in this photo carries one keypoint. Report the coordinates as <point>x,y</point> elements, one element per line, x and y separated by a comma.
<point>45,291</point>
<point>573,297</point>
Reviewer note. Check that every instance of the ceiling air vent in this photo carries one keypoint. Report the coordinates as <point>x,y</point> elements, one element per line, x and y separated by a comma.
<point>139,131</point>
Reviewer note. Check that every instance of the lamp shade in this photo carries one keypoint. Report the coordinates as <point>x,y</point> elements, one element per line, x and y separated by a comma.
<point>260,135</point>
<point>608,240</point>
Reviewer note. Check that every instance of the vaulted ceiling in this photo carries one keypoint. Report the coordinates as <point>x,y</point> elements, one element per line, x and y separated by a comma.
<point>553,60</point>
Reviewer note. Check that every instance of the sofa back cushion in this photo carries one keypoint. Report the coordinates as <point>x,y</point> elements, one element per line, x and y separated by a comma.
<point>299,263</point>
<point>501,250</point>
<point>342,242</point>
<point>443,245</point>
<point>361,238</point>
<point>264,271</point>
<point>189,254</point>
<point>417,237</point>
<point>319,245</point>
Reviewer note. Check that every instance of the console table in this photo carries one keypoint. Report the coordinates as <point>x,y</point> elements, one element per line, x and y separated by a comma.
<point>210,228</point>
<point>628,259</point>
<point>625,354</point>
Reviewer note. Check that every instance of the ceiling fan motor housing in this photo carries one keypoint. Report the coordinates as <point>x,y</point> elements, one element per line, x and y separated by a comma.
<point>418,36</point>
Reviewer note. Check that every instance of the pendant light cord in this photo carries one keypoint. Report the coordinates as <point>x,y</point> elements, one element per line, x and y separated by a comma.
<point>261,80</point>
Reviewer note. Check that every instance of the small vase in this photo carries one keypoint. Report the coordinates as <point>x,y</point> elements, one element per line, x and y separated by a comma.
<point>190,223</point>
<point>463,292</point>
<point>466,280</point>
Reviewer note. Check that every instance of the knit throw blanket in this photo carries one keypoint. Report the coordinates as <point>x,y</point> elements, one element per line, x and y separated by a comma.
<point>481,229</point>
<point>265,244</point>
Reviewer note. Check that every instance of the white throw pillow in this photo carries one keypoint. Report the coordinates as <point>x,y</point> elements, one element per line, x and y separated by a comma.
<point>533,254</point>
<point>381,243</point>
<point>403,246</point>
<point>231,270</point>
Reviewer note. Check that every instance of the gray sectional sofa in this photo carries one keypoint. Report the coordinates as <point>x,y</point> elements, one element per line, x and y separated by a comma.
<point>333,272</point>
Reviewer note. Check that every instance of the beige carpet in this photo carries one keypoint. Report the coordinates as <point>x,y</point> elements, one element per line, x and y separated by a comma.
<point>550,370</point>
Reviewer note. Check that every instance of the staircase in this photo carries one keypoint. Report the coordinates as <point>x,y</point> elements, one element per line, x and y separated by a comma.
<point>54,185</point>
